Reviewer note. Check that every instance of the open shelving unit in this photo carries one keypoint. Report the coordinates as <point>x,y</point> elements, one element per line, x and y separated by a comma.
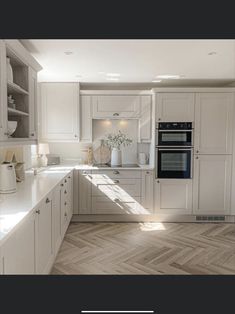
<point>19,90</point>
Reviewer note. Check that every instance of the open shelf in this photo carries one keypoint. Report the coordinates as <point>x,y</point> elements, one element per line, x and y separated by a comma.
<point>14,88</point>
<point>14,112</point>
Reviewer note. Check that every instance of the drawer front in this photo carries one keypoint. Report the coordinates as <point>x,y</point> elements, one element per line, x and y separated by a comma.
<point>103,205</point>
<point>116,174</point>
<point>117,187</point>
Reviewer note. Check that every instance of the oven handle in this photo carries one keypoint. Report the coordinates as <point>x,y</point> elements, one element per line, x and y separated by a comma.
<point>188,130</point>
<point>172,149</point>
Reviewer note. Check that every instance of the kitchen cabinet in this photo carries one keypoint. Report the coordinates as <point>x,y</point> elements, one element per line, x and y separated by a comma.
<point>86,119</point>
<point>173,196</point>
<point>18,252</point>
<point>66,202</point>
<point>175,107</point>
<point>212,184</point>
<point>32,103</point>
<point>213,123</point>
<point>59,112</point>
<point>1,263</point>
<point>145,121</point>
<point>147,190</point>
<point>116,106</point>
<point>44,243</point>
<point>84,191</point>
<point>3,93</point>
<point>56,218</point>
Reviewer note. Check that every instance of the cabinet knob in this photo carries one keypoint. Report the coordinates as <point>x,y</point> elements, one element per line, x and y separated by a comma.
<point>115,114</point>
<point>38,211</point>
<point>65,181</point>
<point>62,184</point>
<point>116,181</point>
<point>197,157</point>
<point>75,135</point>
<point>65,192</point>
<point>159,119</point>
<point>158,181</point>
<point>147,172</point>
<point>32,134</point>
<point>69,177</point>
<point>65,214</point>
<point>65,203</point>
<point>47,200</point>
<point>116,200</point>
<point>197,151</point>
<point>116,172</point>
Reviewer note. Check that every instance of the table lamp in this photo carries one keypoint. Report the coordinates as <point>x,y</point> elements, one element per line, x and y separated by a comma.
<point>43,150</point>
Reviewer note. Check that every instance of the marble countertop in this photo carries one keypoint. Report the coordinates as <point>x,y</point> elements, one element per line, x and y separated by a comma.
<point>16,206</point>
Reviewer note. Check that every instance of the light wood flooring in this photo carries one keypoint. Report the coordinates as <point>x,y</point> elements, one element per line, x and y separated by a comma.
<point>147,248</point>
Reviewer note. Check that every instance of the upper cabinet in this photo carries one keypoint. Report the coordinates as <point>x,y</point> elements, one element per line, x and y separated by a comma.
<point>18,85</point>
<point>116,106</point>
<point>213,123</point>
<point>145,121</point>
<point>175,107</point>
<point>59,119</point>
<point>85,118</point>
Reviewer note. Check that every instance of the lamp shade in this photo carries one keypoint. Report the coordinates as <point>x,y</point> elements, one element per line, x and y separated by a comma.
<point>43,149</point>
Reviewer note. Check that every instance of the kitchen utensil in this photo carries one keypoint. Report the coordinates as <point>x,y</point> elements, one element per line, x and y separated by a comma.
<point>142,158</point>
<point>11,127</point>
<point>7,178</point>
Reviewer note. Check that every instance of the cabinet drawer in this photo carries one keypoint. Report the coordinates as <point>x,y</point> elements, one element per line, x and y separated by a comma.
<point>117,187</point>
<point>104,205</point>
<point>116,174</point>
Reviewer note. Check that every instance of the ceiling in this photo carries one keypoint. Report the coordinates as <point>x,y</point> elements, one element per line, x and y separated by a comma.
<point>135,61</point>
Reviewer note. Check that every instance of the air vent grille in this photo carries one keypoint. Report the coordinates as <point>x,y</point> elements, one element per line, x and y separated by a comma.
<point>210,218</point>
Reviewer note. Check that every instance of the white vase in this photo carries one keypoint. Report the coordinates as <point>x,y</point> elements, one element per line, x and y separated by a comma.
<point>116,157</point>
<point>9,71</point>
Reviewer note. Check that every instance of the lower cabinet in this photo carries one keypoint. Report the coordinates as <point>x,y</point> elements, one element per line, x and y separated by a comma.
<point>147,190</point>
<point>173,196</point>
<point>44,244</point>
<point>84,191</point>
<point>212,184</point>
<point>56,218</point>
<point>18,252</point>
<point>1,263</point>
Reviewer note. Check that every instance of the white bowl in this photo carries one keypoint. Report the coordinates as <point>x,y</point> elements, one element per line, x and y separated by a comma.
<point>11,127</point>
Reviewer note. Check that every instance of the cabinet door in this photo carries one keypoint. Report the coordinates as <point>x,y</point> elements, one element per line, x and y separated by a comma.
<point>44,236</point>
<point>1,263</point>
<point>18,253</point>
<point>147,190</point>
<point>59,111</point>
<point>84,192</point>
<point>3,93</point>
<point>86,119</point>
<point>116,106</point>
<point>56,218</point>
<point>173,196</point>
<point>175,107</point>
<point>32,104</point>
<point>213,123</point>
<point>212,184</point>
<point>145,120</point>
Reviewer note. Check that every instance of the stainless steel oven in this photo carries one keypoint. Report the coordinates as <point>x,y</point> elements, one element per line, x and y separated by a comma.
<point>174,134</point>
<point>174,163</point>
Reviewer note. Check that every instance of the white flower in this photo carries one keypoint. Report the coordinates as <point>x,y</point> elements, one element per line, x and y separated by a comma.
<point>117,140</point>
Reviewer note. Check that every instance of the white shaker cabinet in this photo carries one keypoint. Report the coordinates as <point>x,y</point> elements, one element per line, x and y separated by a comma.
<point>1,263</point>
<point>147,190</point>
<point>145,121</point>
<point>84,191</point>
<point>59,112</point>
<point>85,118</point>
<point>18,252</point>
<point>116,106</point>
<point>175,107</point>
<point>173,196</point>
<point>3,93</point>
<point>56,218</point>
<point>213,123</point>
<point>44,240</point>
<point>212,184</point>
<point>32,103</point>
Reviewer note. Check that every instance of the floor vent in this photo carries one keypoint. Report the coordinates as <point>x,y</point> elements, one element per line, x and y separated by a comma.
<point>210,218</point>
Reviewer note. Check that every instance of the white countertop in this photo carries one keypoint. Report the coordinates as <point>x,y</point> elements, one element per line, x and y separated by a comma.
<point>16,206</point>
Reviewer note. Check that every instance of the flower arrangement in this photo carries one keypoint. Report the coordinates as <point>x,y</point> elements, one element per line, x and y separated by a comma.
<point>117,140</point>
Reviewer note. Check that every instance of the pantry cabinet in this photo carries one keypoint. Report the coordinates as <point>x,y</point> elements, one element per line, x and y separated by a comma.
<point>18,252</point>
<point>147,190</point>
<point>173,196</point>
<point>85,118</point>
<point>145,121</point>
<point>116,106</point>
<point>44,243</point>
<point>175,107</point>
<point>59,112</point>
<point>213,123</point>
<point>212,184</point>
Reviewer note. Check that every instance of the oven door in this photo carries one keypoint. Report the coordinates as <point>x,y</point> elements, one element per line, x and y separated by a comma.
<point>174,138</point>
<point>173,163</point>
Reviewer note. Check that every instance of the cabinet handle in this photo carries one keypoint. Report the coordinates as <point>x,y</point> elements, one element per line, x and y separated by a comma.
<point>65,203</point>
<point>69,177</point>
<point>47,200</point>
<point>65,192</point>
<point>32,134</point>
<point>38,211</point>
<point>147,172</point>
<point>62,184</point>
<point>65,181</point>
<point>65,214</point>
<point>116,172</point>
<point>158,181</point>
<point>197,157</point>
<point>116,181</point>
<point>115,114</point>
<point>116,200</point>
<point>159,119</point>
<point>197,151</point>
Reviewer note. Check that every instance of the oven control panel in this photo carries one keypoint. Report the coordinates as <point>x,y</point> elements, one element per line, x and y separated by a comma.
<point>175,125</point>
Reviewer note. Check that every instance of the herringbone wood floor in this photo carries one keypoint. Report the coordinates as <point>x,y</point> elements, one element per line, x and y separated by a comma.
<point>134,248</point>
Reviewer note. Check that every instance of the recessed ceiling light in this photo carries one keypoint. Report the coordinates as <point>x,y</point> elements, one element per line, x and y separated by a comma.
<point>68,52</point>
<point>168,76</point>
<point>212,53</point>
<point>113,74</point>
<point>78,76</point>
<point>101,72</point>
<point>112,78</point>
<point>156,81</point>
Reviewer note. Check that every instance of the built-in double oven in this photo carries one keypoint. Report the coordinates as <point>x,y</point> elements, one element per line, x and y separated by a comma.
<point>174,145</point>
